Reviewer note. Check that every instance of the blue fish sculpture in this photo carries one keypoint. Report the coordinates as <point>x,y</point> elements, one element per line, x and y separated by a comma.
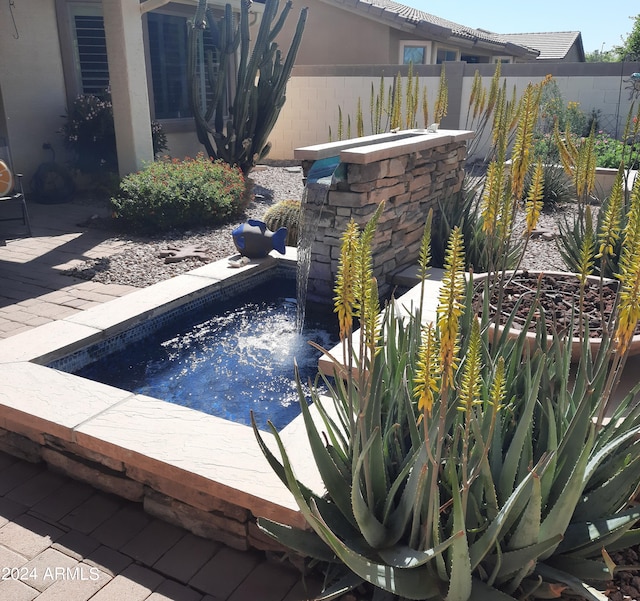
<point>254,240</point>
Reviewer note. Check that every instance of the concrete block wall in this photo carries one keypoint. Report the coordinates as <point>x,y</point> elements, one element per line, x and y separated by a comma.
<point>314,94</point>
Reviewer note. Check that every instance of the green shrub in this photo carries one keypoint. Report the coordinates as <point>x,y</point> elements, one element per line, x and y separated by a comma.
<point>285,213</point>
<point>611,152</point>
<point>179,194</point>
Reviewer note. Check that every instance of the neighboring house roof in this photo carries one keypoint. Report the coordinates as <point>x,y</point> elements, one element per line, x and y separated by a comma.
<point>552,45</point>
<point>399,14</point>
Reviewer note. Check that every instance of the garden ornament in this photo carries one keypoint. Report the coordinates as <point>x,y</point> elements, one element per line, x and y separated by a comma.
<point>255,240</point>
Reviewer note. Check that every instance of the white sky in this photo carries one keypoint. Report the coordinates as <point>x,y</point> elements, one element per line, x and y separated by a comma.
<point>602,23</point>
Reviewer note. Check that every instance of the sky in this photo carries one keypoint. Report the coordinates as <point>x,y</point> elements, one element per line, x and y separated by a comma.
<point>602,24</point>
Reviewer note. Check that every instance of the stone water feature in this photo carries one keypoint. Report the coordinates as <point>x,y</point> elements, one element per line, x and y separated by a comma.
<point>410,170</point>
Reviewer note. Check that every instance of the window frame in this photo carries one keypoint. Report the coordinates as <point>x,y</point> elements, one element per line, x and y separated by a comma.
<point>426,46</point>
<point>447,49</point>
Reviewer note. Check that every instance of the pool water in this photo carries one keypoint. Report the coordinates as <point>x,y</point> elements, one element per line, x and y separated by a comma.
<point>226,358</point>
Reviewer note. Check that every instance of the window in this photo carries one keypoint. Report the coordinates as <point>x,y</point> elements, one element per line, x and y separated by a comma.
<point>167,52</point>
<point>168,56</point>
<point>413,51</point>
<point>505,60</point>
<point>446,54</point>
<point>474,59</point>
<point>413,54</point>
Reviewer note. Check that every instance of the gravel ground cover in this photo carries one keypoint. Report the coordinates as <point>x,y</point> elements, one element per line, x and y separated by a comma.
<point>141,264</point>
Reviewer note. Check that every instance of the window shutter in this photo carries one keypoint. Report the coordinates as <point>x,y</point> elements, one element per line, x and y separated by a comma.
<point>91,54</point>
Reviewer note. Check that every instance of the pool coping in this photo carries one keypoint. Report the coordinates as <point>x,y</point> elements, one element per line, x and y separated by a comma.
<point>187,455</point>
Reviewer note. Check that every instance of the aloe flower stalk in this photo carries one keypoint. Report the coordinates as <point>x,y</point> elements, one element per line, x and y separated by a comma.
<point>425,382</point>
<point>425,107</point>
<point>521,156</point>
<point>629,276</point>
<point>476,97</point>
<point>450,306</point>
<point>469,396</point>
<point>610,232</point>
<point>442,100</point>
<point>366,288</point>
<point>424,256</point>
<point>345,300</point>
<point>587,249</point>
<point>492,197</point>
<point>534,203</point>
<point>396,107</point>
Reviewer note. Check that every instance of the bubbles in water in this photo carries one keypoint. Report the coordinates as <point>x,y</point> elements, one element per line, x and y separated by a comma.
<point>225,364</point>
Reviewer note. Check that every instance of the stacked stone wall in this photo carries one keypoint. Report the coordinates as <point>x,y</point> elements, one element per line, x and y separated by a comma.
<point>409,185</point>
<point>190,508</point>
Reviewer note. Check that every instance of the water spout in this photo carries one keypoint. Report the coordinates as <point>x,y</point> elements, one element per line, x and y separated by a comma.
<point>319,179</point>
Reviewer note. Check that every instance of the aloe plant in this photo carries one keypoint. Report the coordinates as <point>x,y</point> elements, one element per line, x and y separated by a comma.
<point>456,469</point>
<point>398,106</point>
<point>613,216</point>
<point>256,88</point>
<point>463,465</point>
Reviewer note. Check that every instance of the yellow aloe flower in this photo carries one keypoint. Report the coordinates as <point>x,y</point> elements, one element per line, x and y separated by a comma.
<point>442,100</point>
<point>492,197</point>
<point>521,157</point>
<point>610,231</point>
<point>587,249</point>
<point>629,275</point>
<point>424,257</point>
<point>534,204</point>
<point>450,306</point>
<point>425,382</point>
<point>498,386</point>
<point>345,298</point>
<point>471,375</point>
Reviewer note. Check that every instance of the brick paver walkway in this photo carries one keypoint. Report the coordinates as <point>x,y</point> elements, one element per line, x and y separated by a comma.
<point>33,289</point>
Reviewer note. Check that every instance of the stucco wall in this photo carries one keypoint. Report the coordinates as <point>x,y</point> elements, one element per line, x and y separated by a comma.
<point>362,41</point>
<point>32,83</point>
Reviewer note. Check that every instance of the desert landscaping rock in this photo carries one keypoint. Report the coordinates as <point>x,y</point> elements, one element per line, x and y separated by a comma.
<point>142,263</point>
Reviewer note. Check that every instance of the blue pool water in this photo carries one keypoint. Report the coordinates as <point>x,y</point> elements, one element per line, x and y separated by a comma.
<point>226,358</point>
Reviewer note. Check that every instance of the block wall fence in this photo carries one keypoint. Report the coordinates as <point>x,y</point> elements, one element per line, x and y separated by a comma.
<point>314,94</point>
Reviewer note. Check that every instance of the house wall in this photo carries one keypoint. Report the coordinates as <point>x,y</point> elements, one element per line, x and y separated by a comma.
<point>315,93</point>
<point>361,41</point>
<point>31,82</point>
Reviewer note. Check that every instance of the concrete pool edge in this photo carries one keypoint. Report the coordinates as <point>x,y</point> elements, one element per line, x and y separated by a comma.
<point>202,472</point>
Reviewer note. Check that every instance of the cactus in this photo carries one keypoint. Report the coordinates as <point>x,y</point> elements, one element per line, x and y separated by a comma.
<point>239,135</point>
<point>285,213</point>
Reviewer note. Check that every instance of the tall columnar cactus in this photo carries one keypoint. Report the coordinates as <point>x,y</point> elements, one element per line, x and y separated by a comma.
<point>256,91</point>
